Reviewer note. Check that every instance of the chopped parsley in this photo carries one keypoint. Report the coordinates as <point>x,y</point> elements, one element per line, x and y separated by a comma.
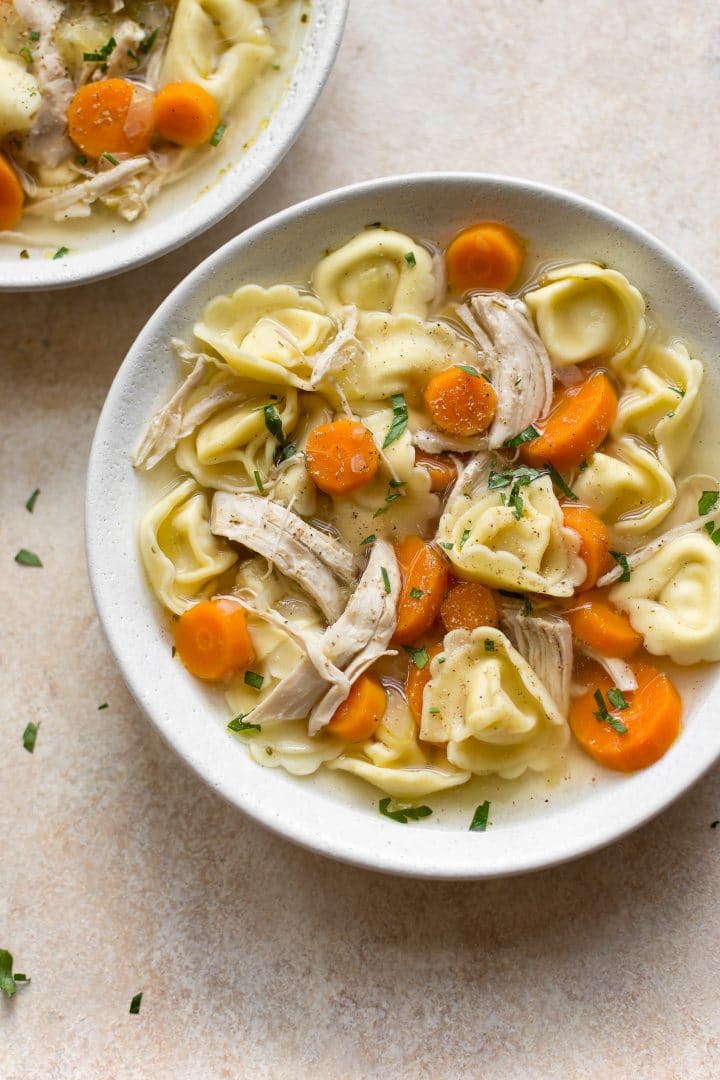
<point>304,17</point>
<point>527,435</point>
<point>714,824</point>
<point>522,475</point>
<point>410,258</point>
<point>393,495</point>
<point>399,422</point>
<point>617,699</point>
<point>368,540</point>
<point>30,504</point>
<point>677,390</point>
<point>80,159</point>
<point>34,35</point>
<point>706,504</point>
<point>29,737</point>
<point>583,465</point>
<point>405,813</point>
<point>527,606</point>
<point>419,657</point>
<point>622,561</point>
<point>515,502</point>
<point>434,711</point>
<point>24,254</point>
<point>273,422</point>
<point>386,579</point>
<point>111,158</point>
<point>259,483</point>
<point>105,704</point>
<point>252,678</point>
<point>397,483</point>
<point>604,717</point>
<point>284,452</point>
<point>489,645</point>
<point>26,53</point>
<point>218,134</point>
<point>103,53</point>
<point>469,370</point>
<point>135,1004</point>
<point>61,253</point>
<point>480,817</point>
<point>239,723</point>
<point>147,43</point>
<point>416,594</point>
<point>7,979</point>
<point>464,539</point>
<point>27,558</point>
<point>560,483</point>
<point>448,547</point>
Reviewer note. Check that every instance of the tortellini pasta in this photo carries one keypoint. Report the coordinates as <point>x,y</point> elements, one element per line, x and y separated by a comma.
<point>182,558</point>
<point>221,45</point>
<point>485,701</point>
<point>627,486</point>
<point>267,334</point>
<point>587,312</point>
<point>673,599</point>
<point>378,270</point>
<point>488,541</point>
<point>19,95</point>
<point>661,402</point>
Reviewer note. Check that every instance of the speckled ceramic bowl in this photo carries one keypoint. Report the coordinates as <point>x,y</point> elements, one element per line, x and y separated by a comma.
<point>533,824</point>
<point>249,152</point>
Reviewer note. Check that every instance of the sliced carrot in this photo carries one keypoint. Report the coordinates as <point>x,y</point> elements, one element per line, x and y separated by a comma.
<point>652,720</point>
<point>467,605</point>
<point>602,628</point>
<point>186,114</point>
<point>425,581</point>
<point>485,256</point>
<point>113,116</point>
<point>578,422</point>
<point>441,469</point>
<point>11,195</point>
<point>341,456</point>
<point>361,712</point>
<point>212,639</point>
<point>594,541</point>
<point>417,679</point>
<point>460,403</point>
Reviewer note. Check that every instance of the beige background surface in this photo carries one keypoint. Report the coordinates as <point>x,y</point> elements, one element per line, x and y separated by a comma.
<point>119,872</point>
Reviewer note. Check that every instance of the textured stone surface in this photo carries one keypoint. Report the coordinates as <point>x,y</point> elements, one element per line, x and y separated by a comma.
<point>121,873</point>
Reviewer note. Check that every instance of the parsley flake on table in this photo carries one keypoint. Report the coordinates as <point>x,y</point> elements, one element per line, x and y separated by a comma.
<point>30,504</point>
<point>8,980</point>
<point>30,736</point>
<point>27,558</point>
<point>135,1004</point>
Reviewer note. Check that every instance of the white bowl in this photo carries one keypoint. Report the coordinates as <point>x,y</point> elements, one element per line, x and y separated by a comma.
<point>246,156</point>
<point>339,816</point>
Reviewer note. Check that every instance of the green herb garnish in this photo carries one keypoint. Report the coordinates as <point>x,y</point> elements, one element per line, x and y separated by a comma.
<point>259,483</point>
<point>621,560</point>
<point>617,699</point>
<point>410,258</point>
<point>368,540</point>
<point>397,483</point>
<point>416,594</point>
<point>61,252</point>
<point>218,134</point>
<point>26,53</point>
<point>34,35</point>
<point>135,1004</point>
<point>103,53</point>
<point>30,504</point>
<point>27,558</point>
<point>603,716</point>
<point>104,705</point>
<point>304,17</point>
<point>419,657</point>
<point>80,159</point>
<point>386,579</point>
<point>707,503</point>
<point>405,813</point>
<point>469,370</point>
<point>399,422</point>
<point>146,45</point>
<point>284,452</point>
<point>24,254</point>
<point>273,422</point>
<point>7,979</point>
<point>251,678</point>
<point>464,539</point>
<point>522,475</point>
<point>480,817</point>
<point>677,390</point>
<point>448,547</point>
<point>434,711</point>
<point>560,483</point>
<point>239,723</point>
<point>515,502</point>
<point>527,435</point>
<point>489,645</point>
<point>111,158</point>
<point>29,736</point>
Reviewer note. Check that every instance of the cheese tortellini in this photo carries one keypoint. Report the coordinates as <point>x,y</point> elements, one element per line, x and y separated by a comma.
<point>628,487</point>
<point>673,599</point>
<point>221,45</point>
<point>378,270</point>
<point>182,558</point>
<point>490,708</point>
<point>587,312</point>
<point>19,95</point>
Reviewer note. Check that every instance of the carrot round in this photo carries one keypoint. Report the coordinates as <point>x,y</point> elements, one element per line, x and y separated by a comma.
<point>11,195</point>
<point>594,541</point>
<point>186,114</point>
<point>341,456</point>
<point>113,116</point>
<point>603,629</point>
<point>441,470</point>
<point>425,581</point>
<point>460,403</point>
<point>416,681</point>
<point>467,605</point>
<point>212,639</point>
<point>485,256</point>
<point>652,720</point>
<point>578,422</point>
<point>361,712</point>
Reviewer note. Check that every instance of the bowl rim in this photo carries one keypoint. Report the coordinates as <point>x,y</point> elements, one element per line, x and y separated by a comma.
<point>394,856</point>
<point>136,248</point>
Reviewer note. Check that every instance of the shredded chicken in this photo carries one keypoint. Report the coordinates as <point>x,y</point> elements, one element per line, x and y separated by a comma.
<point>520,366</point>
<point>317,562</point>
<point>47,142</point>
<point>175,420</point>
<point>333,355</point>
<point>83,194</point>
<point>546,643</point>
<point>354,642</point>
<point>619,671</point>
<point>434,441</point>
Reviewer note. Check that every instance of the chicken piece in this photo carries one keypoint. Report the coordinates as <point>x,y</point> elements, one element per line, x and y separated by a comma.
<point>545,641</point>
<point>75,201</point>
<point>47,142</point>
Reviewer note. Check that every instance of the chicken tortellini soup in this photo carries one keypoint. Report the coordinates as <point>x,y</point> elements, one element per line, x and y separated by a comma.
<point>105,102</point>
<point>427,516</point>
